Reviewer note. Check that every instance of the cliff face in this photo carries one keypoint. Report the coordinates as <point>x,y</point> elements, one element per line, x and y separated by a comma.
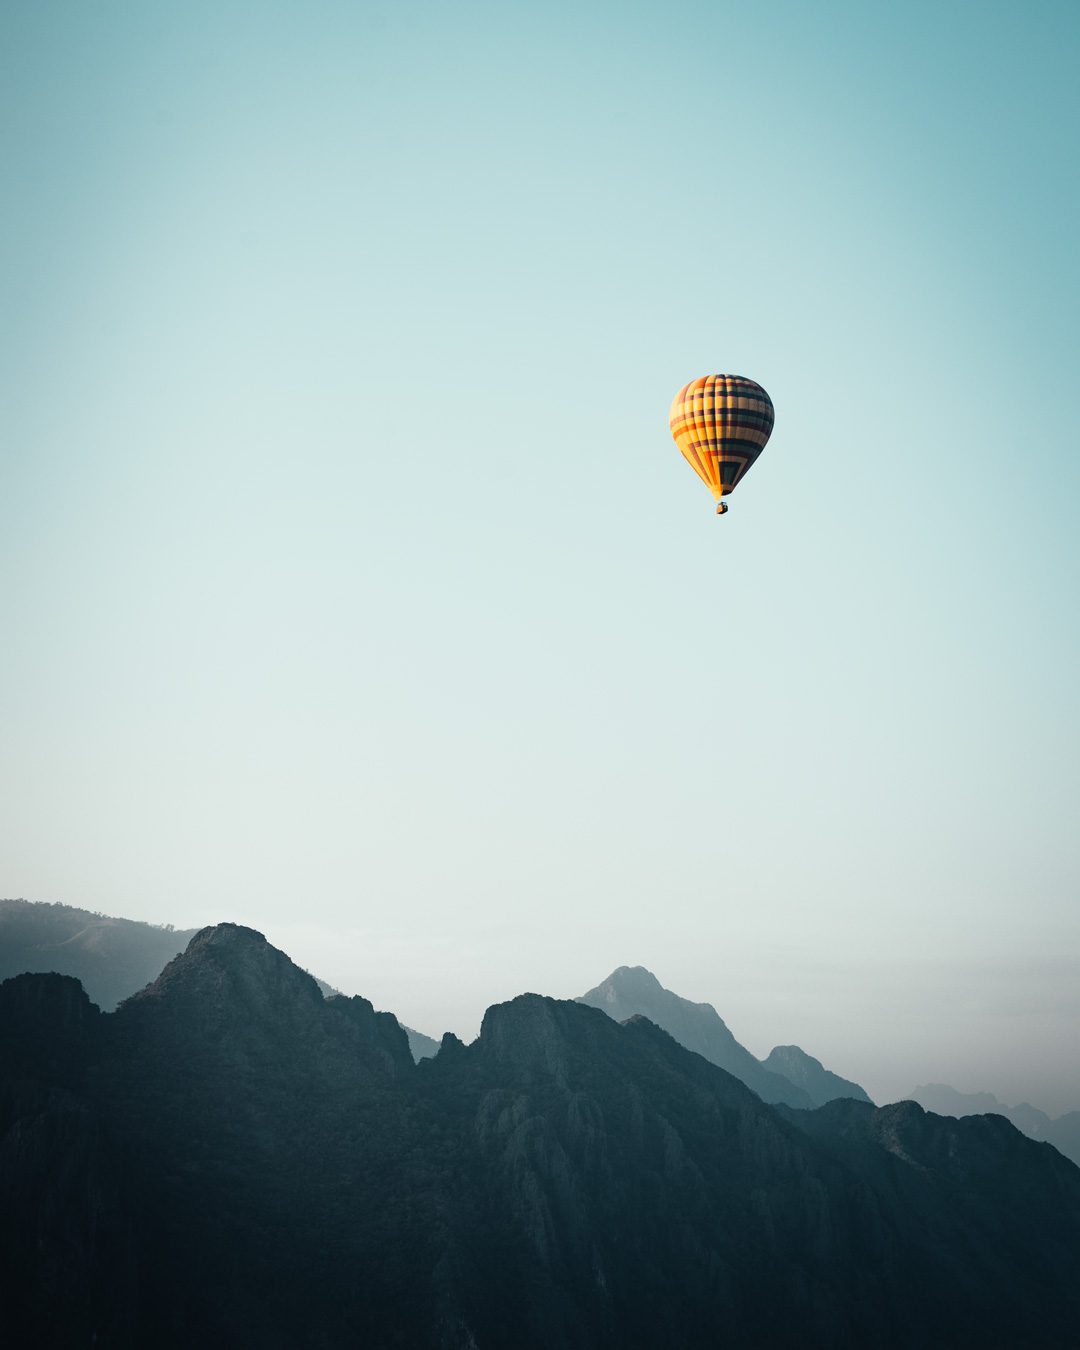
<point>231,1159</point>
<point>67,1234</point>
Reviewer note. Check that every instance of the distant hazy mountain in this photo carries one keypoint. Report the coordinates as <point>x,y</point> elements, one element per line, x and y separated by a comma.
<point>1063,1133</point>
<point>946,1101</point>
<point>422,1047</point>
<point>231,1159</point>
<point>820,1085</point>
<point>633,990</point>
<point>111,958</point>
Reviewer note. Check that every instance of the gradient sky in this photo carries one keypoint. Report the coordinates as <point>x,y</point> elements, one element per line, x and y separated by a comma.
<point>354,589</point>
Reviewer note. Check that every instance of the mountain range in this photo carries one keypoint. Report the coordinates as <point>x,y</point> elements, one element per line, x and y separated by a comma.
<point>789,1075</point>
<point>232,1158</point>
<point>1063,1132</point>
<point>115,958</point>
<point>112,958</point>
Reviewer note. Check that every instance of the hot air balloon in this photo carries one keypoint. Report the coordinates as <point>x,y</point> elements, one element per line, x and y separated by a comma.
<point>721,424</point>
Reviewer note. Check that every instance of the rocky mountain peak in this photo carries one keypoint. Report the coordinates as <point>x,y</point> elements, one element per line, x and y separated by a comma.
<point>541,1035</point>
<point>632,980</point>
<point>236,1004</point>
<point>634,990</point>
<point>450,1045</point>
<point>230,964</point>
<point>808,1073</point>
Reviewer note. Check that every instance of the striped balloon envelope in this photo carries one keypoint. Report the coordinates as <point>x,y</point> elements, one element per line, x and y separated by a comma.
<point>721,424</point>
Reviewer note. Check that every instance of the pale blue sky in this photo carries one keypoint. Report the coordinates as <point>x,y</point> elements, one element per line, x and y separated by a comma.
<point>354,588</point>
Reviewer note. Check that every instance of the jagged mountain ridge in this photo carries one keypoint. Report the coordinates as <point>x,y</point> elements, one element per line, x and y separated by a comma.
<point>112,958</point>
<point>245,1162</point>
<point>1063,1131</point>
<point>632,990</point>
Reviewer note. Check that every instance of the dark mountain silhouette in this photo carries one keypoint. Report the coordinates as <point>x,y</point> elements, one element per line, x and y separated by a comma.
<point>819,1084</point>
<point>1063,1133</point>
<point>231,1159</point>
<point>112,958</point>
<point>632,990</point>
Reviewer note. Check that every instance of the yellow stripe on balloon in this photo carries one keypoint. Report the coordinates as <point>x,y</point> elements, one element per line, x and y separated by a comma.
<point>717,420</point>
